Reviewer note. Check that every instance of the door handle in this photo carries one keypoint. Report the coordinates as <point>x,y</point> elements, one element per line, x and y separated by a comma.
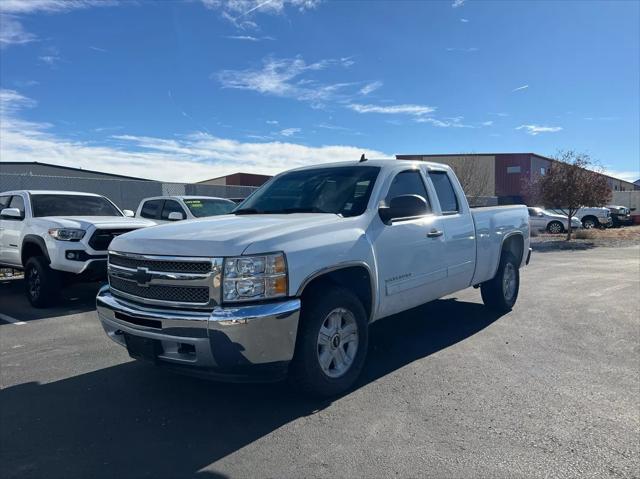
<point>434,233</point>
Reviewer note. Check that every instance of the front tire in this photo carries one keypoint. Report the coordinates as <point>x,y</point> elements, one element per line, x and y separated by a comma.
<point>555,227</point>
<point>42,284</point>
<point>332,343</point>
<point>501,292</point>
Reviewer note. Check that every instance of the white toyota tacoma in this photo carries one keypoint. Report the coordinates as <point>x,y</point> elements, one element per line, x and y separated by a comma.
<point>57,237</point>
<point>290,281</point>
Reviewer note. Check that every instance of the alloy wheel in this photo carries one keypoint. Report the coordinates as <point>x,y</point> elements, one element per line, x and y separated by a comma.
<point>337,344</point>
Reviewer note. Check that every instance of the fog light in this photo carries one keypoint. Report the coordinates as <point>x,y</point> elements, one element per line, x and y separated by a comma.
<point>71,255</point>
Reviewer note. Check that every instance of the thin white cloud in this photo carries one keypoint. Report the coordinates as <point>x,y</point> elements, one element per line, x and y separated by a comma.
<point>248,38</point>
<point>191,157</point>
<point>286,77</point>
<point>272,122</point>
<point>534,130</point>
<point>289,131</point>
<point>98,49</point>
<point>11,30</point>
<point>457,3</point>
<point>50,6</point>
<point>487,123</point>
<point>405,109</point>
<point>13,33</point>
<point>370,87</point>
<point>464,20</point>
<point>523,87</point>
<point>50,60</point>
<point>444,123</point>
<point>601,118</point>
<point>240,12</point>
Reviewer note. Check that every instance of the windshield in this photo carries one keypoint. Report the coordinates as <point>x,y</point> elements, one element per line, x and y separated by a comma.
<point>72,205</point>
<point>201,207</point>
<point>341,190</point>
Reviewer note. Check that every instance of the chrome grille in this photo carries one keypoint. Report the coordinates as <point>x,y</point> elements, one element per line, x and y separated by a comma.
<point>198,266</point>
<point>172,281</point>
<point>183,294</point>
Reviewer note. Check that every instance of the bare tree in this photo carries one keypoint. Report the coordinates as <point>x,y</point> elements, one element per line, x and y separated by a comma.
<point>572,181</point>
<point>474,178</point>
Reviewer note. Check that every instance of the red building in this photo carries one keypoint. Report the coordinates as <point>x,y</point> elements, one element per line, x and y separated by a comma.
<point>238,179</point>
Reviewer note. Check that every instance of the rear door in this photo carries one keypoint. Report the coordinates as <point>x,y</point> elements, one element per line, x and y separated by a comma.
<point>409,256</point>
<point>456,224</point>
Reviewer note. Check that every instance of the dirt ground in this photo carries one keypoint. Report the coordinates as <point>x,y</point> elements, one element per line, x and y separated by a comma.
<point>587,239</point>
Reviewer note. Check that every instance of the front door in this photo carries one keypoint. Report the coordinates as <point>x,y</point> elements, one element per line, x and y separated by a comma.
<point>12,232</point>
<point>409,251</point>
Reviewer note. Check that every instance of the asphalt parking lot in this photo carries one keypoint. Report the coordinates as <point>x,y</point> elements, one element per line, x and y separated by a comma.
<point>551,389</point>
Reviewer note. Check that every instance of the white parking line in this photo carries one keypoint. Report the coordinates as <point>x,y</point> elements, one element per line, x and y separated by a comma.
<point>11,320</point>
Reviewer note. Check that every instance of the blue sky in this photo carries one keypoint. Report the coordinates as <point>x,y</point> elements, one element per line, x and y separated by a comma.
<point>186,90</point>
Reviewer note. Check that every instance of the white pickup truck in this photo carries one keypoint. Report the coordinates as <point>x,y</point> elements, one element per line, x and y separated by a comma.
<point>288,283</point>
<point>57,236</point>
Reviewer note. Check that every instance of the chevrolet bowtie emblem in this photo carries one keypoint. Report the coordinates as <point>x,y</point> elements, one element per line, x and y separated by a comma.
<point>142,276</point>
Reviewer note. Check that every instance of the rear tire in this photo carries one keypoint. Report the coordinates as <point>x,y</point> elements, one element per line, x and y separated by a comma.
<point>332,343</point>
<point>590,222</point>
<point>42,284</point>
<point>501,292</point>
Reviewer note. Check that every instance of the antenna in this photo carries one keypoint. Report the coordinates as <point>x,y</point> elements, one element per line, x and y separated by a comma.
<point>362,158</point>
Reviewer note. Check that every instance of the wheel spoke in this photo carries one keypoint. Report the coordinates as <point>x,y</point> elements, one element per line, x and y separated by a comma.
<point>341,357</point>
<point>326,357</point>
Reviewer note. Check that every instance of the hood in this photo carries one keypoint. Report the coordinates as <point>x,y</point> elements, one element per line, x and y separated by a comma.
<point>227,235</point>
<point>103,222</point>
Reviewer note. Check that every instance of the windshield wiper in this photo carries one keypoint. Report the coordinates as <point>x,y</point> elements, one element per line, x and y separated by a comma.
<point>246,211</point>
<point>311,209</point>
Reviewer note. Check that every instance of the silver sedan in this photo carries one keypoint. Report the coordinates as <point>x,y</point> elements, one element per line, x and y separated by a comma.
<point>545,220</point>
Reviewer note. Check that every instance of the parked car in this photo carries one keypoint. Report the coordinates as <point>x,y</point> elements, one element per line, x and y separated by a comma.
<point>545,220</point>
<point>620,216</point>
<point>591,217</point>
<point>163,209</point>
<point>289,283</point>
<point>56,236</point>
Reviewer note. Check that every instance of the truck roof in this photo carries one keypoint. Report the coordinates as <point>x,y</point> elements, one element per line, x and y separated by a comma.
<point>185,197</point>
<point>48,192</point>
<point>381,163</point>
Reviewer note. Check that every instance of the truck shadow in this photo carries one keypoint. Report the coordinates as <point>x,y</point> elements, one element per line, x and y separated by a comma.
<point>74,299</point>
<point>132,420</point>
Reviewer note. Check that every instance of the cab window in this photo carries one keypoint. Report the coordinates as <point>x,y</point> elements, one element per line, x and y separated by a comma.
<point>171,206</point>
<point>151,209</point>
<point>408,182</point>
<point>17,202</point>
<point>4,202</point>
<point>445,192</point>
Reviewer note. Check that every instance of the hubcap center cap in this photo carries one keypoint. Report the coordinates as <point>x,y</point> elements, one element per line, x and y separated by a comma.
<point>335,341</point>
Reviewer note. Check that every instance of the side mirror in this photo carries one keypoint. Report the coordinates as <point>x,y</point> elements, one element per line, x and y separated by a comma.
<point>11,213</point>
<point>128,213</point>
<point>540,215</point>
<point>632,209</point>
<point>175,216</point>
<point>403,206</point>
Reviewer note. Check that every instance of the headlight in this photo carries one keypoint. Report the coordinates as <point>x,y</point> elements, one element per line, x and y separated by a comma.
<point>251,278</point>
<point>67,234</point>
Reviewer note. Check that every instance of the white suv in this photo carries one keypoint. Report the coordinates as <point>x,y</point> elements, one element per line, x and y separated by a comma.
<point>58,235</point>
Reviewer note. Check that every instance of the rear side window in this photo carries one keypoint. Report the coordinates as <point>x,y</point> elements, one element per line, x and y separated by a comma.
<point>151,209</point>
<point>171,206</point>
<point>408,183</point>
<point>446,194</point>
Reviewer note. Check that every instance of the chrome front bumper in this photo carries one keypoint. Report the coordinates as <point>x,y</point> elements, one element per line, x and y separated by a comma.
<point>228,341</point>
